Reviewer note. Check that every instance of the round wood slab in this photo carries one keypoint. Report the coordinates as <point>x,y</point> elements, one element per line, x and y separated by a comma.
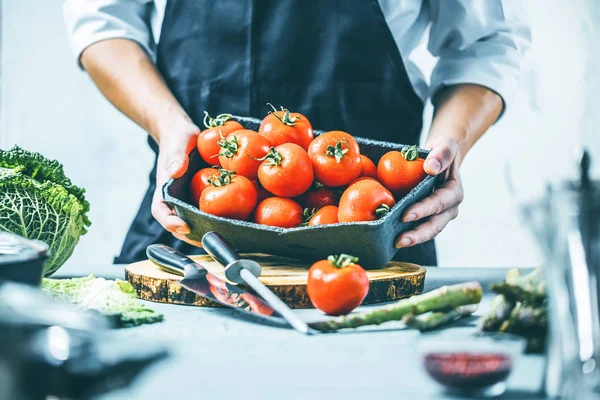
<point>285,277</point>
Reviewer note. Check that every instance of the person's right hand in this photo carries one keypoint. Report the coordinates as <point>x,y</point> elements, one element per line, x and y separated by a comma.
<point>176,141</point>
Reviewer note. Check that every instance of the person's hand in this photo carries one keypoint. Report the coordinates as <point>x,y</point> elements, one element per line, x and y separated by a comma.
<point>176,141</point>
<point>441,207</point>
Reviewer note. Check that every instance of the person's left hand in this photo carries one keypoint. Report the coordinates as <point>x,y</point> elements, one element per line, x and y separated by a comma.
<point>441,207</point>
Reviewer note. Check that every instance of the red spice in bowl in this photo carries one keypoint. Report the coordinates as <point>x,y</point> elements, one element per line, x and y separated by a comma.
<point>462,370</point>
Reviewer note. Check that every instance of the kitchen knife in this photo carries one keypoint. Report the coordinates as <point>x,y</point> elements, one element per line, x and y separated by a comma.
<point>198,280</point>
<point>240,270</point>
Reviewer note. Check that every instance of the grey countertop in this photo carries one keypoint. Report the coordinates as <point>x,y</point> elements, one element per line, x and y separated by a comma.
<point>214,352</point>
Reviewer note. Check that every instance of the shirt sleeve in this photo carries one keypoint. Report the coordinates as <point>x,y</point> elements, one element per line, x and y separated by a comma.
<point>90,21</point>
<point>478,41</point>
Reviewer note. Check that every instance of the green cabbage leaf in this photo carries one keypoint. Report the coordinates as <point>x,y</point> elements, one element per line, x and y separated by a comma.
<point>111,298</point>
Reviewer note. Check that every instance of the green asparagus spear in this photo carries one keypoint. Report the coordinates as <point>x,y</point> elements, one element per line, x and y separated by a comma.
<point>499,310</point>
<point>439,299</point>
<point>435,319</point>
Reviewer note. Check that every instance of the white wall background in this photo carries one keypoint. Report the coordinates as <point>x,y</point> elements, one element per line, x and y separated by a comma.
<point>48,105</point>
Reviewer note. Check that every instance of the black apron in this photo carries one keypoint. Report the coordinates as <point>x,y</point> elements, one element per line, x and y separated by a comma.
<point>334,61</point>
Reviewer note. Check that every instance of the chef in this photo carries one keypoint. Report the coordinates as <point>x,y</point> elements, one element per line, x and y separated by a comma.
<point>343,63</point>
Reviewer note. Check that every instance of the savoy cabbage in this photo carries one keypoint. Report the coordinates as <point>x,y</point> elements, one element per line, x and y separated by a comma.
<point>37,201</point>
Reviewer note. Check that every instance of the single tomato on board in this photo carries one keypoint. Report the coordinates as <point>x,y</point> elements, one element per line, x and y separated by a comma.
<point>368,168</point>
<point>208,140</point>
<point>286,171</point>
<point>337,285</point>
<point>278,211</point>
<point>366,200</point>
<point>336,158</point>
<point>229,196</point>
<point>200,182</point>
<point>401,171</point>
<point>280,127</point>
<point>322,216</point>
<point>241,152</point>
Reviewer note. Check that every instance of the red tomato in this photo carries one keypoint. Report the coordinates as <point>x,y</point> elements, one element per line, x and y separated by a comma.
<point>229,196</point>
<point>280,127</point>
<point>401,171</point>
<point>200,182</point>
<point>286,171</point>
<point>324,216</point>
<point>278,211</point>
<point>208,140</point>
<point>337,285</point>
<point>368,167</point>
<point>241,152</point>
<point>366,200</point>
<point>336,158</point>
<point>261,192</point>
<point>320,197</point>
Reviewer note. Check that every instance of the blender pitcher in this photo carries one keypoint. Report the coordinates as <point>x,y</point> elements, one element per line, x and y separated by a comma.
<point>566,224</point>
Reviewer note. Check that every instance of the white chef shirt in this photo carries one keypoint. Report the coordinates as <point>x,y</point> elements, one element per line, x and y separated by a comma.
<point>477,41</point>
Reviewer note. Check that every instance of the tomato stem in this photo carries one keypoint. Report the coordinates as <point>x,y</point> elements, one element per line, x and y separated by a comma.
<point>287,118</point>
<point>337,151</point>
<point>342,260</point>
<point>222,179</point>
<point>220,120</point>
<point>410,153</point>
<point>307,215</point>
<point>230,147</point>
<point>273,156</point>
<point>382,210</point>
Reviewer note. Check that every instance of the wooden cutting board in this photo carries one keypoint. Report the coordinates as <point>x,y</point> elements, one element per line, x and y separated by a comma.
<point>285,277</point>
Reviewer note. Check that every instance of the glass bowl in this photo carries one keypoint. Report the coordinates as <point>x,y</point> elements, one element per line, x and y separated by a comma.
<point>470,364</point>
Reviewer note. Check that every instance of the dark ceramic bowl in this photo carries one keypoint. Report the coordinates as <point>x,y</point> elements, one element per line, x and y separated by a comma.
<point>372,242</point>
<point>22,260</point>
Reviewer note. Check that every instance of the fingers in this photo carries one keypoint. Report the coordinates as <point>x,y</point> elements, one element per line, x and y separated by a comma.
<point>443,152</point>
<point>427,230</point>
<point>449,195</point>
<point>190,241</point>
<point>172,163</point>
<point>165,216</point>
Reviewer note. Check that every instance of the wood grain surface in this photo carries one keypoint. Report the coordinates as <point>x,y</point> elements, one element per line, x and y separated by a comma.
<point>285,277</point>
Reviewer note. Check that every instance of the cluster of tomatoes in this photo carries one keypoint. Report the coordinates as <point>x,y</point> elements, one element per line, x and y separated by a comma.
<point>283,176</point>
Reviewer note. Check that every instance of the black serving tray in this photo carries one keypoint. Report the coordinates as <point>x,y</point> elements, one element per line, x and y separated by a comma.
<point>372,242</point>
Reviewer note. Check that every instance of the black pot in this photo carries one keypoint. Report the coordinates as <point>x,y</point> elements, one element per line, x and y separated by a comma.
<point>22,260</point>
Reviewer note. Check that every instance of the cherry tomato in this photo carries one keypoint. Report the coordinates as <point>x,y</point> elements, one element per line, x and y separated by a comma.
<point>336,158</point>
<point>278,211</point>
<point>366,200</point>
<point>208,140</point>
<point>261,192</point>
<point>286,171</point>
<point>241,152</point>
<point>280,127</point>
<point>229,196</point>
<point>401,171</point>
<point>320,197</point>
<point>324,216</point>
<point>337,285</point>
<point>368,167</point>
<point>200,182</point>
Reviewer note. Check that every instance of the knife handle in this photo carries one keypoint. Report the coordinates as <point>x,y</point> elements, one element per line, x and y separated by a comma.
<point>171,260</point>
<point>218,248</point>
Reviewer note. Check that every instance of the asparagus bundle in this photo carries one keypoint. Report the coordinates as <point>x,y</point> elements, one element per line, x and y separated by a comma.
<point>520,307</point>
<point>439,300</point>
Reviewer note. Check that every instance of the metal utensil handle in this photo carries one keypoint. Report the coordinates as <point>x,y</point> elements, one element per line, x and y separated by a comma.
<point>275,302</point>
<point>218,248</point>
<point>170,259</point>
